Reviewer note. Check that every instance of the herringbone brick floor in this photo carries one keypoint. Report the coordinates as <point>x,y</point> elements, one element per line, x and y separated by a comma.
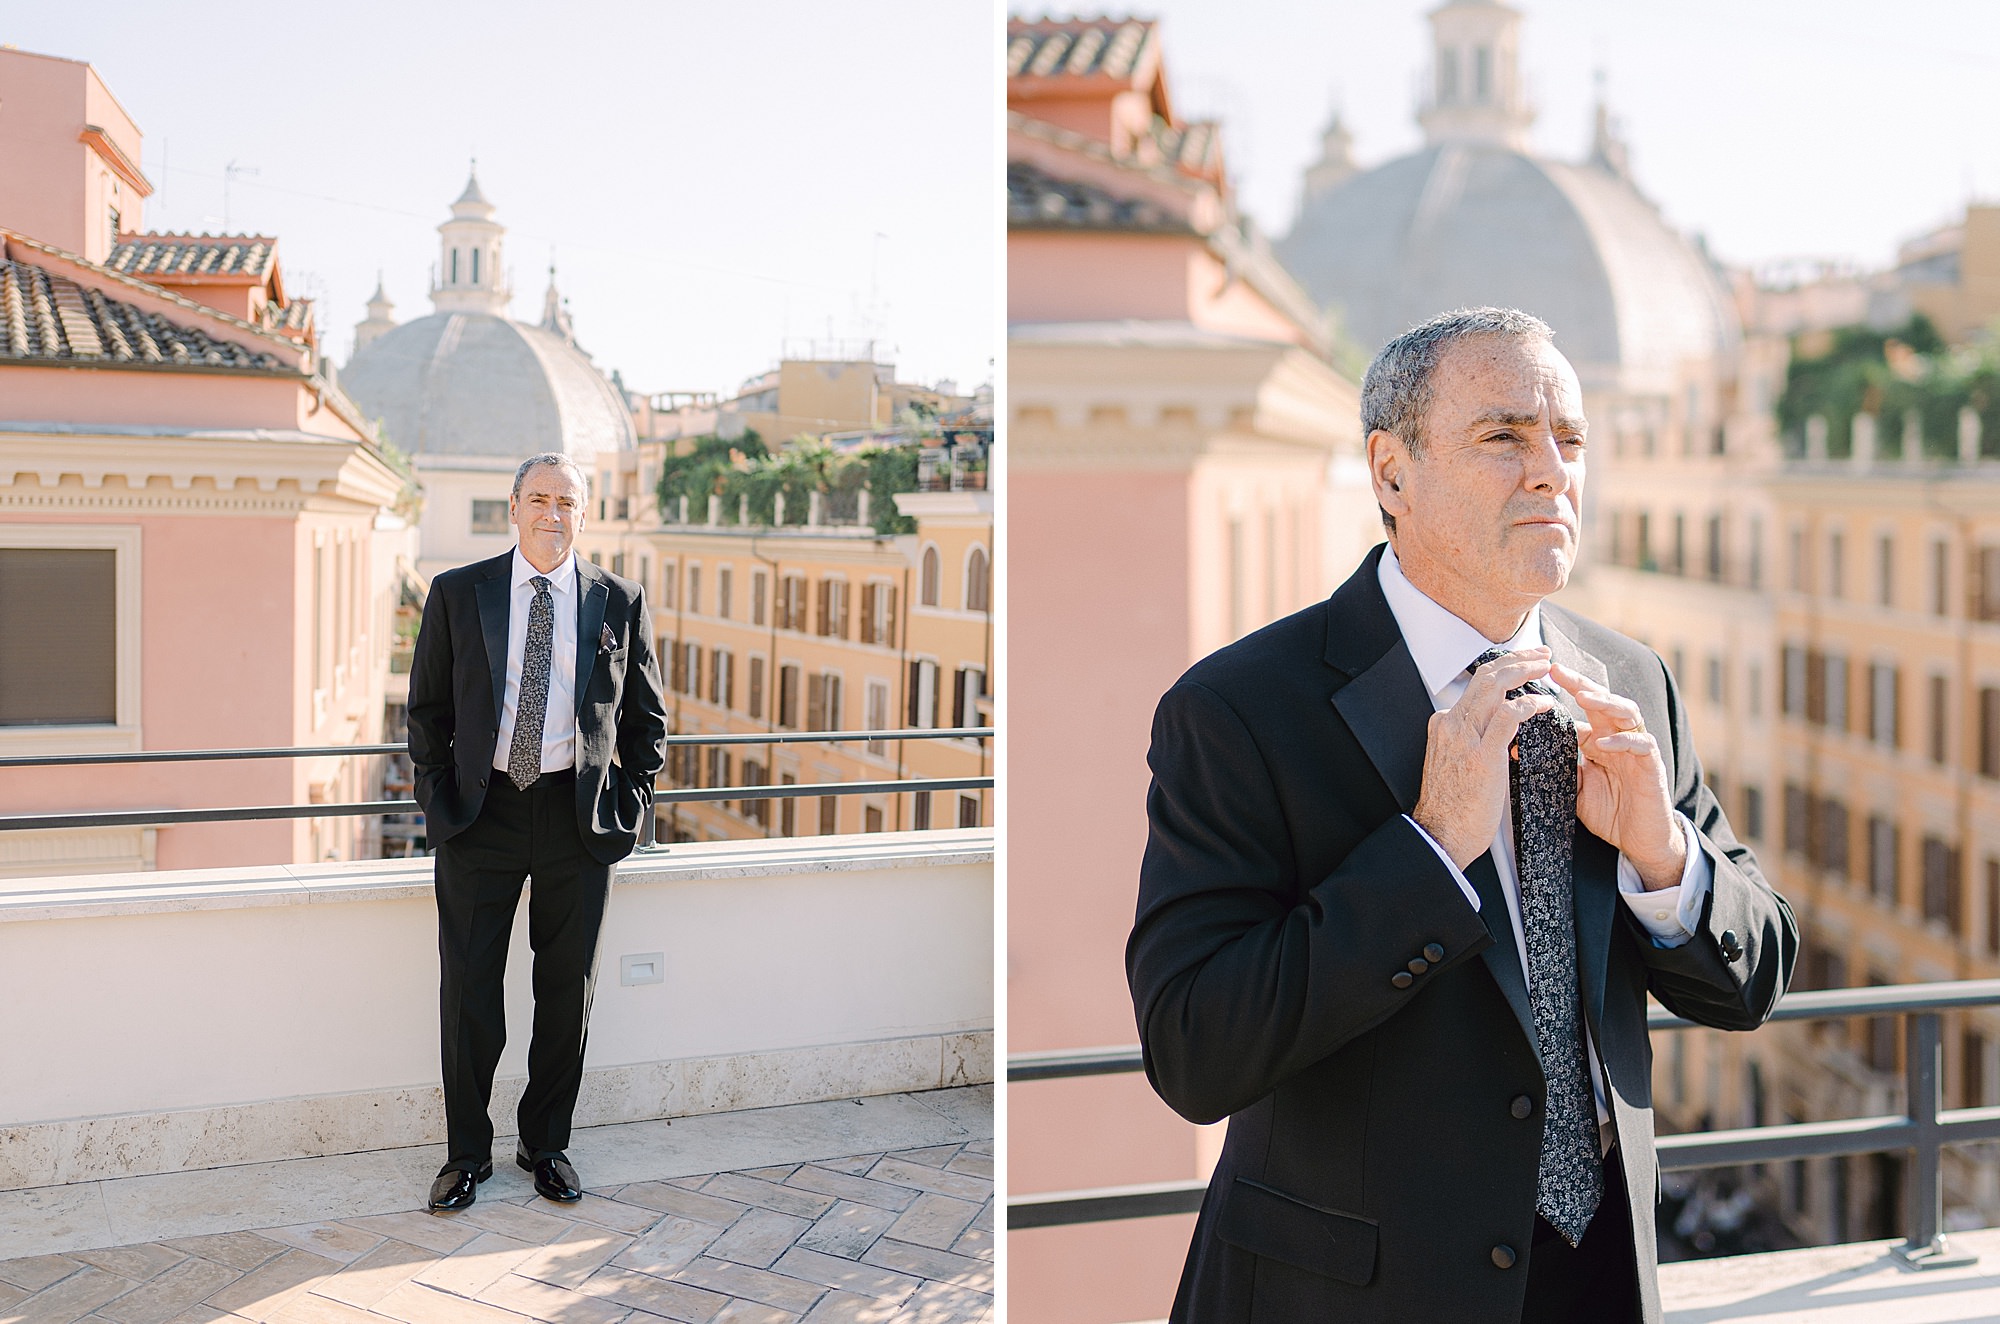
<point>903,1236</point>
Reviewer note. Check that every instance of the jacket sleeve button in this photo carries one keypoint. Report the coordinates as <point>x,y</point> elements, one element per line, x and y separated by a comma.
<point>1433,952</point>
<point>1419,965</point>
<point>1402,979</point>
<point>1503,1257</point>
<point>1521,1106</point>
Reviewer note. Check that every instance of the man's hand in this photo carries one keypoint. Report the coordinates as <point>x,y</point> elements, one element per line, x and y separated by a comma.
<point>1621,793</point>
<point>1464,794</point>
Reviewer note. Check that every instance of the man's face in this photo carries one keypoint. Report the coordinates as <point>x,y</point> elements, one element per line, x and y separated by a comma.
<point>1492,503</point>
<point>548,512</point>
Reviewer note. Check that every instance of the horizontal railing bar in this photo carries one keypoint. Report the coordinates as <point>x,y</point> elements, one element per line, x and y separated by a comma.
<point>168,817</point>
<point>1887,1000</point>
<point>335,751</point>
<point>1067,1062</point>
<point>1061,1208</point>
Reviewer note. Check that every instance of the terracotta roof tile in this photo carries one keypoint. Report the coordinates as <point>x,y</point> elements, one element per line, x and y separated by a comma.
<point>49,318</point>
<point>1037,200</point>
<point>170,255</point>
<point>1048,48</point>
<point>292,319</point>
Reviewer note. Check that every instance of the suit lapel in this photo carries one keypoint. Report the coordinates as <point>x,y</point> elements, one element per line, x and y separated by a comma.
<point>589,622</point>
<point>1503,958</point>
<point>1384,702</point>
<point>1594,864</point>
<point>492,595</point>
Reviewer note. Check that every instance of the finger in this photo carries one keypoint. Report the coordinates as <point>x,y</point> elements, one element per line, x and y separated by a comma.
<point>1633,744</point>
<point>1495,679</point>
<point>1508,715</point>
<point>1617,712</point>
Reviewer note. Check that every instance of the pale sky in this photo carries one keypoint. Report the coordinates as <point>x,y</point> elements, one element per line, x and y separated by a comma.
<point>712,178</point>
<point>1831,129</point>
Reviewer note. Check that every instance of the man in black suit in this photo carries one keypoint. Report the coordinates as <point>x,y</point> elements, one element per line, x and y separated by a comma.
<point>1405,894</point>
<point>536,725</point>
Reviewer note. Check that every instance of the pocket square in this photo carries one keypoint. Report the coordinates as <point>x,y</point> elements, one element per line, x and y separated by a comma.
<point>607,642</point>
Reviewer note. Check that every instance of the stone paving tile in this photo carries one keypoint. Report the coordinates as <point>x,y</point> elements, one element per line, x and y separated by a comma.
<point>414,1303</point>
<point>203,1314</point>
<point>260,1293</point>
<point>655,1296</point>
<point>534,1225</point>
<point>740,1311</point>
<point>476,1265</point>
<point>336,1241</point>
<point>927,1262</point>
<point>941,1303</point>
<point>613,1214</point>
<point>376,1274</point>
<point>574,1256</point>
<point>9,1294</point>
<point>980,1147</point>
<point>773,1174</point>
<point>845,1186</point>
<point>773,1289</point>
<point>932,1156</point>
<point>768,1195</point>
<point>71,1298</point>
<point>985,1220</point>
<point>902,1172</point>
<point>314,1309</point>
<point>238,1250</point>
<point>972,1165</point>
<point>934,1220</point>
<point>976,1241</point>
<point>139,1262</point>
<point>847,1229</point>
<point>38,1271</point>
<point>846,1275</point>
<point>443,1235</point>
<point>676,1243</point>
<point>552,1305</point>
<point>853,1164</point>
<point>759,1238</point>
<point>688,1204</point>
<point>853,1308</point>
<point>190,1281</point>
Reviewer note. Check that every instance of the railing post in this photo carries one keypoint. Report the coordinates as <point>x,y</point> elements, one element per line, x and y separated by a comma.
<point>1923,1076</point>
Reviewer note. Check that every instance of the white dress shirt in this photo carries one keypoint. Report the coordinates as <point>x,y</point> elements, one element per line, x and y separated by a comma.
<point>559,723</point>
<point>1443,646</point>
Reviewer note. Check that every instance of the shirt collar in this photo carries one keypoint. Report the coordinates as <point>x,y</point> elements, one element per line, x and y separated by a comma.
<point>1441,644</point>
<point>561,579</point>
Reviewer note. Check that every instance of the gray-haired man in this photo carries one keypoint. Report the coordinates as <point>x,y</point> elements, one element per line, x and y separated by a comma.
<point>535,729</point>
<point>1418,854</point>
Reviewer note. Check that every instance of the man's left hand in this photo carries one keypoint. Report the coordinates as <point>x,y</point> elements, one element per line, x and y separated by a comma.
<point>1621,793</point>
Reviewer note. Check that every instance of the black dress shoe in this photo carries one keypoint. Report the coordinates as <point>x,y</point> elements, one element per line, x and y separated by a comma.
<point>555,1179</point>
<point>457,1188</point>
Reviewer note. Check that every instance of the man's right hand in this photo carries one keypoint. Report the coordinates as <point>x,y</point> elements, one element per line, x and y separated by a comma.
<point>1464,796</point>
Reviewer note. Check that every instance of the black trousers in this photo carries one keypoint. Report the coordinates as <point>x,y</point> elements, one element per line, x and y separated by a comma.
<point>518,834</point>
<point>1595,1281</point>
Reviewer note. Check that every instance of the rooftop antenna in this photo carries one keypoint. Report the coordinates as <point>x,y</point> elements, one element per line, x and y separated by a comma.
<point>229,174</point>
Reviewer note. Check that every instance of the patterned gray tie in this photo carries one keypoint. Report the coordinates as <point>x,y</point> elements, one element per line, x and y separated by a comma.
<point>524,755</point>
<point>1570,1181</point>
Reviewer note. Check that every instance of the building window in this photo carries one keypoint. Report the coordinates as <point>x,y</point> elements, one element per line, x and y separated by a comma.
<point>670,578</point>
<point>1833,838</point>
<point>1940,579</point>
<point>788,808</point>
<point>1884,689</point>
<point>1714,566</point>
<point>454,266</point>
<point>877,718</point>
<point>832,622</point>
<point>791,604</point>
<point>829,815</point>
<point>1756,552</point>
<point>1753,813</point>
<point>928,575</point>
<point>1792,681</point>
<point>968,811</point>
<point>1989,733</point>
<point>1940,714</point>
<point>1756,688</point>
<point>1941,885</point>
<point>755,774</point>
<point>725,590</point>
<point>788,696</point>
<point>979,593</point>
<point>924,694</point>
<point>718,766</point>
<point>878,614</point>
<point>968,689</point>
<point>67,676</point>
<point>1715,670</point>
<point>1884,845</point>
<point>1986,568</point>
<point>756,705</point>
<point>1797,569</point>
<point>475,266</point>
<point>1643,547</point>
<point>722,678</point>
<point>823,702</point>
<point>1836,560</point>
<point>1679,565</point>
<point>694,590</point>
<point>1972,1061</point>
<point>759,586</point>
<point>1992,906</point>
<point>871,819</point>
<point>920,811</point>
<point>1885,571</point>
<point>1795,819</point>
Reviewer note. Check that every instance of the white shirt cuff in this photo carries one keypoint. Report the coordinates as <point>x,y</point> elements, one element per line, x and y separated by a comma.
<point>1456,873</point>
<point>1671,913</point>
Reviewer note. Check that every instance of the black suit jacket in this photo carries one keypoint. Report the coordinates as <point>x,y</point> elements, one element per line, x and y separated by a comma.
<point>458,678</point>
<point>1374,1159</point>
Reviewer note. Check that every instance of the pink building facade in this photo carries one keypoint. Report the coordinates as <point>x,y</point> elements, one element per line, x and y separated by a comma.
<point>1184,467</point>
<point>192,516</point>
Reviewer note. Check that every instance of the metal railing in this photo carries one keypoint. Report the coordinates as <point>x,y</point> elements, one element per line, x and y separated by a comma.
<point>1923,1129</point>
<point>364,808</point>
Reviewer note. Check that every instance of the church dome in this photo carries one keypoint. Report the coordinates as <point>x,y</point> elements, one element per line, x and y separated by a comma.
<point>1474,218</point>
<point>468,380</point>
<point>482,384</point>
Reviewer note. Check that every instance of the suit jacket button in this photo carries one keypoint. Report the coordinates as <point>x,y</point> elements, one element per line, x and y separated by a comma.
<point>1521,1106</point>
<point>482,781</point>
<point>1732,946</point>
<point>1433,952</point>
<point>1419,965</point>
<point>1503,1257</point>
<point>1402,979</point>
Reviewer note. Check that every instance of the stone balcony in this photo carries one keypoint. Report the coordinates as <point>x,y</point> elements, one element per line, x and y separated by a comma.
<point>223,1106</point>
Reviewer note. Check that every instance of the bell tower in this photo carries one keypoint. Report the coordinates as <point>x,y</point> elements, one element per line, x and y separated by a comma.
<point>470,277</point>
<point>1475,92</point>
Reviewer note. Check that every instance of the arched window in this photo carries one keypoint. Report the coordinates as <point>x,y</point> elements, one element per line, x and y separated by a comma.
<point>454,266</point>
<point>927,578</point>
<point>475,266</point>
<point>978,595</point>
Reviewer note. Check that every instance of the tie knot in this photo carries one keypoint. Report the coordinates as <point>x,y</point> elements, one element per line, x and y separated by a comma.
<point>1485,657</point>
<point>541,583</point>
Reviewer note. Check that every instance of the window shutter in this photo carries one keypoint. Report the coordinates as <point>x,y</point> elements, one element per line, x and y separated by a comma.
<point>958,699</point>
<point>825,588</point>
<point>816,703</point>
